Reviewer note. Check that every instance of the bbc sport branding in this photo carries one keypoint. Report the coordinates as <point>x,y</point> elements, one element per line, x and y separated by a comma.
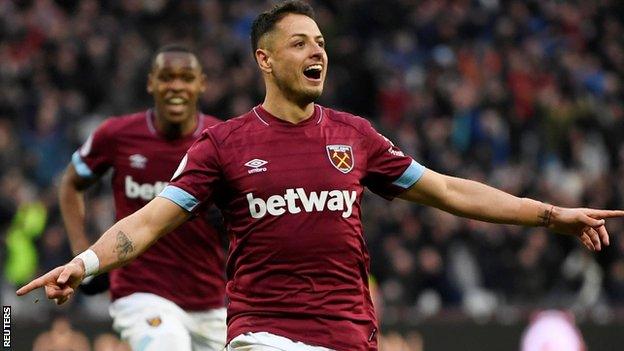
<point>296,200</point>
<point>145,192</point>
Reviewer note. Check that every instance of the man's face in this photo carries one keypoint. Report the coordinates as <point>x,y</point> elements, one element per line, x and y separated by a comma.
<point>176,81</point>
<point>297,57</point>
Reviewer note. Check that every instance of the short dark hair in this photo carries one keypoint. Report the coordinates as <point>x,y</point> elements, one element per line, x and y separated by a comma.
<point>265,22</point>
<point>173,48</point>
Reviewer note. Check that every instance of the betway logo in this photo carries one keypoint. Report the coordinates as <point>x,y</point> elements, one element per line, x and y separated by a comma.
<point>296,200</point>
<point>144,191</point>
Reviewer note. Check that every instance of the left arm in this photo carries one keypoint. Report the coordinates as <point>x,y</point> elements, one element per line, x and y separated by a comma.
<point>475,200</point>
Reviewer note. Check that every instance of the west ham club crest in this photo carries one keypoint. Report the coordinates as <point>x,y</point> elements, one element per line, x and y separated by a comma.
<point>341,157</point>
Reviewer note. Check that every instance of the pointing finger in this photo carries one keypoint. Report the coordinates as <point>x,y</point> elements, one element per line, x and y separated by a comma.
<point>39,282</point>
<point>606,213</point>
<point>35,284</point>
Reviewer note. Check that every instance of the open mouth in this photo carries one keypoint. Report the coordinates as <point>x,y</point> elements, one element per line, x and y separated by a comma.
<point>313,72</point>
<point>176,101</point>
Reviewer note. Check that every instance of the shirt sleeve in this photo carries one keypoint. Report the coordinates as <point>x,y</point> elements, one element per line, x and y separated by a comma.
<point>95,156</point>
<point>193,182</point>
<point>389,171</point>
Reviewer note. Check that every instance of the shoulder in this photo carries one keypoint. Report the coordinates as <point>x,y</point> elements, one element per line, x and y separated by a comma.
<point>210,120</point>
<point>120,123</point>
<point>223,131</point>
<point>356,123</point>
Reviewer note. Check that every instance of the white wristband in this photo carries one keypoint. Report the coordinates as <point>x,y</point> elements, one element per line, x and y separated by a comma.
<point>91,262</point>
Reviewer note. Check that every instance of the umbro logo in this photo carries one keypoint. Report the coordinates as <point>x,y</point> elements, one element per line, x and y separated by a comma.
<point>256,166</point>
<point>137,161</point>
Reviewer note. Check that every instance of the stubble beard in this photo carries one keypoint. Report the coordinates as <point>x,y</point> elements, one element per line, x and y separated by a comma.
<point>301,97</point>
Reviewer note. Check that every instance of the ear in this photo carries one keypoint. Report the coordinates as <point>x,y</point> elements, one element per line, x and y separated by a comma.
<point>263,57</point>
<point>203,82</point>
<point>150,83</point>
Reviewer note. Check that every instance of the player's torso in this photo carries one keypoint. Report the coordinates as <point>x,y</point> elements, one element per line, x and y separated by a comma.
<point>293,205</point>
<point>143,162</point>
<point>294,202</point>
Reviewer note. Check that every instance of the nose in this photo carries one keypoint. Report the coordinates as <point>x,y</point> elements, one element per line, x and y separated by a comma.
<point>176,84</point>
<point>317,51</point>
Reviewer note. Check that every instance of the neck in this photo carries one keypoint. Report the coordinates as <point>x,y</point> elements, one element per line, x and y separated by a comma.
<point>175,130</point>
<point>281,107</point>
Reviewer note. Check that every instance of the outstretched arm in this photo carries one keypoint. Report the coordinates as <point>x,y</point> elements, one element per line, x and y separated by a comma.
<point>475,200</point>
<point>124,241</point>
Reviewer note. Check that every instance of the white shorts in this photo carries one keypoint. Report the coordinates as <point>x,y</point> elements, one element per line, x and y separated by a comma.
<point>152,323</point>
<point>263,341</point>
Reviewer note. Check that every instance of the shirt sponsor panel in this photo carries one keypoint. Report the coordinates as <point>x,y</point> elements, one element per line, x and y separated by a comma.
<point>295,200</point>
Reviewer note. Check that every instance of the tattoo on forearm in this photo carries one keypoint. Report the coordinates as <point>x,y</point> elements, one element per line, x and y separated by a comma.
<point>546,216</point>
<point>124,246</point>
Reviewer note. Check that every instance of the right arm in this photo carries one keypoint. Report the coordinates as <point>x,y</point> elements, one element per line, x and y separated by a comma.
<point>121,243</point>
<point>72,204</point>
<point>131,236</point>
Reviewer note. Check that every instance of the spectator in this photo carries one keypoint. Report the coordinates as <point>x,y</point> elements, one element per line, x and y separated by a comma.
<point>61,336</point>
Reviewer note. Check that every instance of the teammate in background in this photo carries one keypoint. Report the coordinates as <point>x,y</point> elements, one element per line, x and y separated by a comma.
<point>289,176</point>
<point>172,297</point>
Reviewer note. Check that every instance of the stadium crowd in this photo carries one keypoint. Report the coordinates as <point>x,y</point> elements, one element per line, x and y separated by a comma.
<point>524,95</point>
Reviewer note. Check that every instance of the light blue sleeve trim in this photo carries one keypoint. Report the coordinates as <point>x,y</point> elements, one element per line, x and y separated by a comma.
<point>180,197</point>
<point>411,175</point>
<point>81,167</point>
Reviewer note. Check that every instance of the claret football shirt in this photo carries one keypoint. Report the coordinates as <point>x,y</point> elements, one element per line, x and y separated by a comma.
<point>290,195</point>
<point>185,266</point>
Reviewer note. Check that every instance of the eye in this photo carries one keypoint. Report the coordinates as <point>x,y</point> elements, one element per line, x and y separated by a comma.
<point>321,43</point>
<point>299,44</point>
<point>165,77</point>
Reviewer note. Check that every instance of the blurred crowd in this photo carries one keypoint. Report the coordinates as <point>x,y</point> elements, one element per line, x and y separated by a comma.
<point>524,95</point>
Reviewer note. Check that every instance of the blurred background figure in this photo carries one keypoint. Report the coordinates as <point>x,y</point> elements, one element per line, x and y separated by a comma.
<point>61,337</point>
<point>394,341</point>
<point>109,342</point>
<point>552,330</point>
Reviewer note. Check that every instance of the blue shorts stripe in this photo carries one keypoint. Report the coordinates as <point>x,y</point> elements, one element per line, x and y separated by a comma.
<point>411,175</point>
<point>81,167</point>
<point>180,197</point>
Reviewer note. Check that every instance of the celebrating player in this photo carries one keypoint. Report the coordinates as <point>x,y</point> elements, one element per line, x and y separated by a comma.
<point>289,176</point>
<point>172,296</point>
